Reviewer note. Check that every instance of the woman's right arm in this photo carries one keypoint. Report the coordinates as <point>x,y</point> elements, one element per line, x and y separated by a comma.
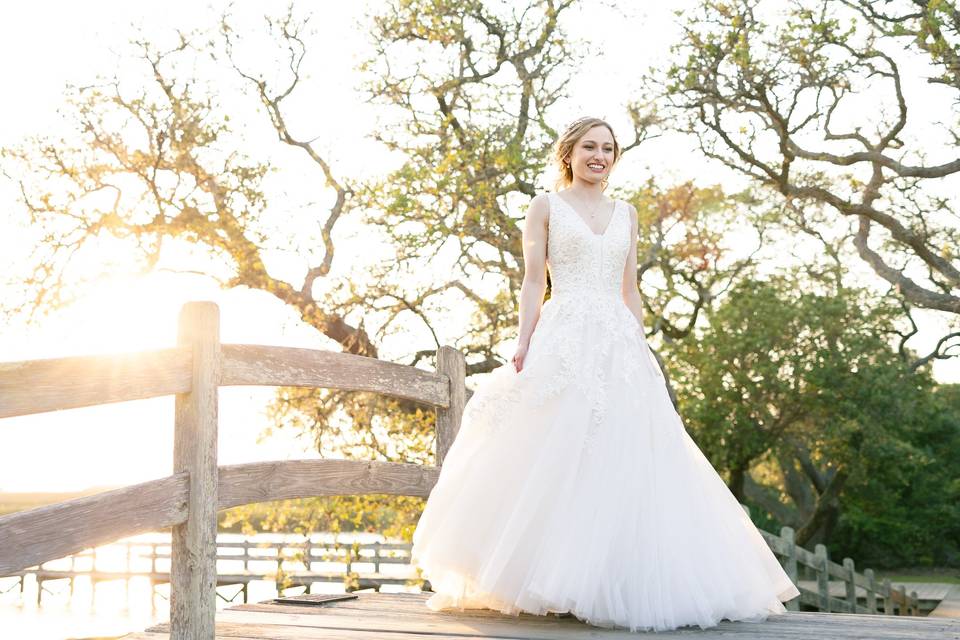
<point>534,273</point>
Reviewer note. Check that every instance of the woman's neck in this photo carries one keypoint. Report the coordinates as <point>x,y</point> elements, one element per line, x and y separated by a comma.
<point>587,189</point>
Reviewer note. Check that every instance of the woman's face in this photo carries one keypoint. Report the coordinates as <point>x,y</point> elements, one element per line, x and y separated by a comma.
<point>591,158</point>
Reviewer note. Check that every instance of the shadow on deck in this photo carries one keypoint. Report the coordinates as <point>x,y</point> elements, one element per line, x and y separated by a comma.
<point>404,616</point>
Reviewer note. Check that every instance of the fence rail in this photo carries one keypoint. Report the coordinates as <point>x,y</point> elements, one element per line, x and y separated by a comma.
<point>188,500</point>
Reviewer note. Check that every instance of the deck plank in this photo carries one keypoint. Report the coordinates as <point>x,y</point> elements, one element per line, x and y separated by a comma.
<point>402,616</point>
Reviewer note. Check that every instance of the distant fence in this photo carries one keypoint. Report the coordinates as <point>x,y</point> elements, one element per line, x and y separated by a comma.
<point>189,499</point>
<point>878,597</point>
<point>283,560</point>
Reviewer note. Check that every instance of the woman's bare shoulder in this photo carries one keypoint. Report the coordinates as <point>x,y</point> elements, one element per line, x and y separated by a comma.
<point>539,207</point>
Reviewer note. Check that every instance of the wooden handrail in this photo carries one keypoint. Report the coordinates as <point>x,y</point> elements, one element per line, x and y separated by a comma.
<point>245,364</point>
<point>54,531</point>
<point>36,386</point>
<point>57,530</point>
<point>287,479</point>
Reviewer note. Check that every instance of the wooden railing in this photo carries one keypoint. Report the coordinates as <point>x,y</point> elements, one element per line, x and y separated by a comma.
<point>141,561</point>
<point>793,558</point>
<point>189,499</point>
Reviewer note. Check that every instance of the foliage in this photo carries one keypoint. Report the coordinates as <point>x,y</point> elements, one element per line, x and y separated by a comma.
<point>804,389</point>
<point>808,100</point>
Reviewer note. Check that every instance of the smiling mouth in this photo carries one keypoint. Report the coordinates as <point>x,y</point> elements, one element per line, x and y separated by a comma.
<point>596,167</point>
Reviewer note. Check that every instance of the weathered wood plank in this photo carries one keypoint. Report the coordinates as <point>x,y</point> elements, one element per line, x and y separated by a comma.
<point>193,565</point>
<point>36,386</point>
<point>450,363</point>
<point>157,635</point>
<point>288,479</point>
<point>78,524</point>
<point>404,616</point>
<point>388,604</point>
<point>57,530</point>
<point>397,625</point>
<point>949,606</point>
<point>279,633</point>
<point>304,627</point>
<point>245,364</point>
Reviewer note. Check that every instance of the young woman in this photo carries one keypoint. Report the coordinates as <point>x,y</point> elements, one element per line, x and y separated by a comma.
<point>572,485</point>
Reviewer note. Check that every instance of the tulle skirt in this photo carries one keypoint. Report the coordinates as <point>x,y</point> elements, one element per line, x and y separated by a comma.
<point>573,486</point>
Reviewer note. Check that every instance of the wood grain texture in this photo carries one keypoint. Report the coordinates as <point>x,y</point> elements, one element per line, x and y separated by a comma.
<point>245,364</point>
<point>404,616</point>
<point>287,479</point>
<point>57,530</point>
<point>452,365</point>
<point>193,564</point>
<point>36,386</point>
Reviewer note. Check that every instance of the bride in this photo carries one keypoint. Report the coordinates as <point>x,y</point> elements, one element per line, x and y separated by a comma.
<point>572,485</point>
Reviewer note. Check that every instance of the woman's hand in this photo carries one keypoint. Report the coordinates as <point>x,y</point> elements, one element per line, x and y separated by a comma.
<point>519,356</point>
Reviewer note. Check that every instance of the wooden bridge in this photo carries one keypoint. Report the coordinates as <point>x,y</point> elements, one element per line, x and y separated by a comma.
<point>188,500</point>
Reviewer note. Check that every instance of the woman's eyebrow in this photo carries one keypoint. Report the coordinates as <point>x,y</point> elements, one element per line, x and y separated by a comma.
<point>595,142</point>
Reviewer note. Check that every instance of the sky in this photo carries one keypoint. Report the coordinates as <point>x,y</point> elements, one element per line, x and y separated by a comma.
<point>124,443</point>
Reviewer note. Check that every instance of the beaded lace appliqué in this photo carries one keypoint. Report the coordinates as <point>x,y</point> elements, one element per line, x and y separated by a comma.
<point>586,271</point>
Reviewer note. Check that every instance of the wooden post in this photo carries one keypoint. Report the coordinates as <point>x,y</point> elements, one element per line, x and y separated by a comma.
<point>93,579</point>
<point>73,569</point>
<point>889,607</point>
<point>790,563</point>
<point>823,577</point>
<point>126,587</point>
<point>871,590</point>
<point>452,363</point>
<point>902,600</point>
<point>851,585</point>
<point>914,603</point>
<point>193,563</point>
<point>280,579</point>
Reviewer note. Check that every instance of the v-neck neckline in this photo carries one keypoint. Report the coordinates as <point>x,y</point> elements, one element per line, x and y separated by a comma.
<point>584,222</point>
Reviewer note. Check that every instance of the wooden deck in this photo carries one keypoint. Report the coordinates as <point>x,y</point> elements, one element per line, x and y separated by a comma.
<point>404,616</point>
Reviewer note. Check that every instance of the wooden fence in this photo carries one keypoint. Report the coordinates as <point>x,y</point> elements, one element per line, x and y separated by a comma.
<point>283,560</point>
<point>189,499</point>
<point>876,595</point>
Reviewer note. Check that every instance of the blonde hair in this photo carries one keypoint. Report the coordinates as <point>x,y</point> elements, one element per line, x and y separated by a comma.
<point>565,143</point>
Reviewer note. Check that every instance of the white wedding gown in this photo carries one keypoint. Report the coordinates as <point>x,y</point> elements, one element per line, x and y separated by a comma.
<point>573,485</point>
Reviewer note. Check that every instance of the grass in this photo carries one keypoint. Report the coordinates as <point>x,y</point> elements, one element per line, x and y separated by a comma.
<point>950,575</point>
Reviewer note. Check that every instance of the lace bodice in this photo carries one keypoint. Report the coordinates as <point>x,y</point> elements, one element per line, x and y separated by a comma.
<point>584,264</point>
